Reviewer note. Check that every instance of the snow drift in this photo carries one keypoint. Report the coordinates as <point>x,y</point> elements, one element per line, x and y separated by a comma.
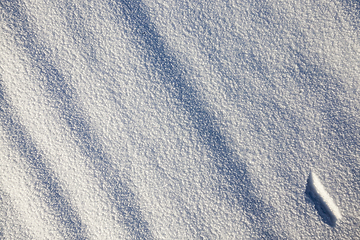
<point>326,204</point>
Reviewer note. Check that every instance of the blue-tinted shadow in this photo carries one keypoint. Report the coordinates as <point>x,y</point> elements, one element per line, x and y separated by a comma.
<point>67,102</point>
<point>325,214</point>
<point>46,184</point>
<point>342,127</point>
<point>237,187</point>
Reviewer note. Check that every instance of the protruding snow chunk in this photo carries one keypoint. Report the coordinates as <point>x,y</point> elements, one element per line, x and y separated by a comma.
<point>324,199</point>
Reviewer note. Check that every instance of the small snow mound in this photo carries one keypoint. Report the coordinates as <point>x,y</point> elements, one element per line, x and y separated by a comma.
<point>323,199</point>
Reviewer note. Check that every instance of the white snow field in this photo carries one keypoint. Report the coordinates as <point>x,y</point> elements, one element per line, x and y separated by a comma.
<point>179,119</point>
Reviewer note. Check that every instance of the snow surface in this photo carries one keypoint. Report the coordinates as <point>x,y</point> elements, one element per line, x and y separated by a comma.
<point>323,197</point>
<point>179,119</point>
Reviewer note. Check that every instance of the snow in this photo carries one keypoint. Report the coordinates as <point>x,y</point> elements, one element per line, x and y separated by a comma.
<point>324,198</point>
<point>179,119</point>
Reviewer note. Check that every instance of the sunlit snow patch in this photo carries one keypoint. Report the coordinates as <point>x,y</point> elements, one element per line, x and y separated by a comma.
<point>323,201</point>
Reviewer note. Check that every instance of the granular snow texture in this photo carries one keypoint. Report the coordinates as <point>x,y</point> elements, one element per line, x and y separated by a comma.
<point>179,119</point>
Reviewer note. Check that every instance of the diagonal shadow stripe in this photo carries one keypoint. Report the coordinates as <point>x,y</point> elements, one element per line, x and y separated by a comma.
<point>238,186</point>
<point>10,223</point>
<point>66,102</point>
<point>85,39</point>
<point>46,183</point>
<point>342,126</point>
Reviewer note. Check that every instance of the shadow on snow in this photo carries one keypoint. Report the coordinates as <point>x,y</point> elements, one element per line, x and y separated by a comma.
<point>66,102</point>
<point>237,185</point>
<point>46,184</point>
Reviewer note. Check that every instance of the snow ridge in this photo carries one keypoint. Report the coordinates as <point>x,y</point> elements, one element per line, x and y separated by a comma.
<point>323,199</point>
